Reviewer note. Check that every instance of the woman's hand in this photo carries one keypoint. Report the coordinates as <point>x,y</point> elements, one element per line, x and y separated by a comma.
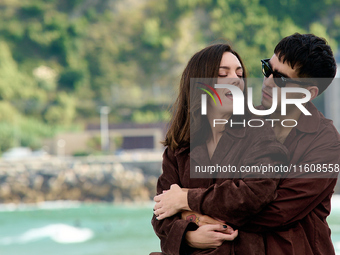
<point>171,202</point>
<point>203,238</point>
<point>200,219</point>
<point>210,236</point>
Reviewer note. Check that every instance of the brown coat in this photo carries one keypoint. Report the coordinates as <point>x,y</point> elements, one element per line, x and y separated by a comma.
<point>238,199</point>
<point>295,222</point>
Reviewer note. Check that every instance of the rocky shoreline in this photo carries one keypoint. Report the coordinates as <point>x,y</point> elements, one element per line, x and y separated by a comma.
<point>81,179</point>
<point>88,179</point>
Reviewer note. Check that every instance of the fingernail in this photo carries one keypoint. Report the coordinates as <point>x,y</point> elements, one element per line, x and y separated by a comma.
<point>225,226</point>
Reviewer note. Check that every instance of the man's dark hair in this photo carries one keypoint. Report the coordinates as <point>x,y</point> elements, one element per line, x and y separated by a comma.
<point>311,55</point>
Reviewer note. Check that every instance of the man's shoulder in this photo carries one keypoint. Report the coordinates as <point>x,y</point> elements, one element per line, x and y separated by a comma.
<point>317,126</point>
<point>327,131</point>
<point>320,144</point>
<point>327,124</point>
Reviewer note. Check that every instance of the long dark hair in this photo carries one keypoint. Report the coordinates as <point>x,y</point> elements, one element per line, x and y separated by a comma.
<point>204,64</point>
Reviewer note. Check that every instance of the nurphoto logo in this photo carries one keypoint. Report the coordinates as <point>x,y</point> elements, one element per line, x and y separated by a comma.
<point>239,104</point>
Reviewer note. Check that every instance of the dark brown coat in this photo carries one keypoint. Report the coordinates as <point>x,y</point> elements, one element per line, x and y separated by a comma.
<point>295,222</point>
<point>235,200</point>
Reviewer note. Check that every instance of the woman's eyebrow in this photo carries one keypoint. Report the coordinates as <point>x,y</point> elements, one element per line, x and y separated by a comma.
<point>225,67</point>
<point>228,68</point>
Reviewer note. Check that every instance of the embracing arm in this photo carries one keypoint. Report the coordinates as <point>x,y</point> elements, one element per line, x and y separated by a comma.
<point>297,197</point>
<point>235,201</point>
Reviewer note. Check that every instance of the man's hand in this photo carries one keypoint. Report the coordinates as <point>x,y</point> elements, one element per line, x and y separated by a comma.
<point>209,236</point>
<point>200,219</point>
<point>171,202</point>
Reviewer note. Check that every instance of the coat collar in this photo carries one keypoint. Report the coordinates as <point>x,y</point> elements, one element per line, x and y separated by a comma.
<point>200,153</point>
<point>237,131</point>
<point>180,150</point>
<point>309,123</point>
<point>306,123</point>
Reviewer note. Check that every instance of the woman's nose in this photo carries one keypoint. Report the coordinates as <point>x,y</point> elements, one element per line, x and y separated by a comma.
<point>235,80</point>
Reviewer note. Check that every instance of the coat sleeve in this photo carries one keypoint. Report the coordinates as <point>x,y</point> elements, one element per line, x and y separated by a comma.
<point>236,200</point>
<point>171,231</point>
<point>298,196</point>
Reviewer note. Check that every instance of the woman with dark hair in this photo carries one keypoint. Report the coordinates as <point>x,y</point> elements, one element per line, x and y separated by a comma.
<point>192,140</point>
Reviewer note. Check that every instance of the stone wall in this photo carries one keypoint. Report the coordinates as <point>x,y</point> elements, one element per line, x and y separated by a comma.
<point>83,179</point>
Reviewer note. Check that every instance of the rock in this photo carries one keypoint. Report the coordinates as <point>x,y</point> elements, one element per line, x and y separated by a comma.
<point>117,196</point>
<point>73,179</point>
<point>38,182</point>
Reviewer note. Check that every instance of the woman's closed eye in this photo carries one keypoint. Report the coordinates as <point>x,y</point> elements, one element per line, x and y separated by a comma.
<point>226,75</point>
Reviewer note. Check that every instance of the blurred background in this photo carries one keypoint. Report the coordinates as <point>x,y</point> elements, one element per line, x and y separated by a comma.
<point>85,92</point>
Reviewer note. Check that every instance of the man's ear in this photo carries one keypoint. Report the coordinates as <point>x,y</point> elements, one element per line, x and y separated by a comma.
<point>314,91</point>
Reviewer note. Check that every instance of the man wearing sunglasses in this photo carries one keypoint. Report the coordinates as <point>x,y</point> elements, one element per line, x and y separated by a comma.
<point>295,222</point>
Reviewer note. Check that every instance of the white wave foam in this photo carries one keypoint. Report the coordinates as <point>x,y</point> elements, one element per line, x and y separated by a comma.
<point>337,247</point>
<point>336,202</point>
<point>60,233</point>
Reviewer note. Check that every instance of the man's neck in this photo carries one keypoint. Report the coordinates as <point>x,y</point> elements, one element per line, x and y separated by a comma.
<point>280,131</point>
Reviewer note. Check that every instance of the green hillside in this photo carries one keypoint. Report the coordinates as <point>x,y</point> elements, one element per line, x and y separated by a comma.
<point>61,60</point>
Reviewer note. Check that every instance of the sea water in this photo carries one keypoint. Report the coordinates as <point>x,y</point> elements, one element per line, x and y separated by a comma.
<point>73,228</point>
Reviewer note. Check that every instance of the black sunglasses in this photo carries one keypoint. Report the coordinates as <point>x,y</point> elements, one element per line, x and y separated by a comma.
<point>279,80</point>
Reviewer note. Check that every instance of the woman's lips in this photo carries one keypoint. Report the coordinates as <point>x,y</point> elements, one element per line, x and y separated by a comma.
<point>229,95</point>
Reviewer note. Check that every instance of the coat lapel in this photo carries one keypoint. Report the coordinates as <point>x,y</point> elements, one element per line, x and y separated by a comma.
<point>200,156</point>
<point>222,149</point>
